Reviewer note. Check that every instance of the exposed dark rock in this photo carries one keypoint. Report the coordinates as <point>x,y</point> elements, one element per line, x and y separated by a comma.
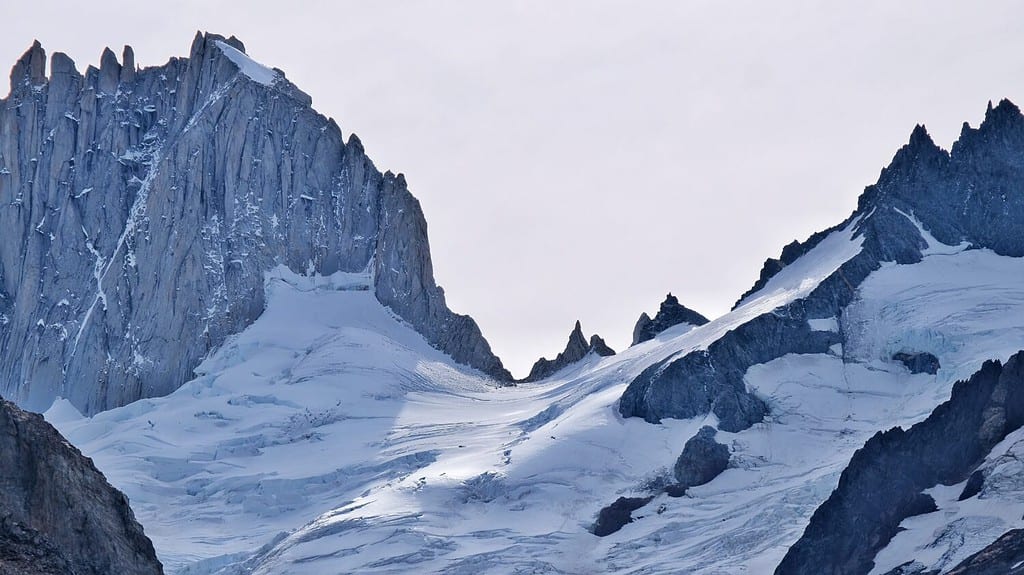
<point>671,313</point>
<point>141,208</point>
<point>920,362</point>
<point>1003,557</point>
<point>973,487</point>
<point>884,481</point>
<point>911,568</point>
<point>702,460</point>
<point>57,512</point>
<point>576,349</point>
<point>950,194</point>
<point>598,346</point>
<point>711,381</point>
<point>615,516</point>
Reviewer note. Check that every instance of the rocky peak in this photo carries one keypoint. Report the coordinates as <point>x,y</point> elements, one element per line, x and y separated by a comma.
<point>30,69</point>
<point>141,207</point>
<point>577,346</point>
<point>598,346</point>
<point>671,313</point>
<point>57,512</point>
<point>919,155</point>
<point>576,349</point>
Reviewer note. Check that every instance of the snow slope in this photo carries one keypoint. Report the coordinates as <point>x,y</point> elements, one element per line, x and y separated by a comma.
<point>335,437</point>
<point>251,68</point>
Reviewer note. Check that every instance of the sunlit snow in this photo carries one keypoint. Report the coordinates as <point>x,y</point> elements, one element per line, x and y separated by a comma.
<point>334,435</point>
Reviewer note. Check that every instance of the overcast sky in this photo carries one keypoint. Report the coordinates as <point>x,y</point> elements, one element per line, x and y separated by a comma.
<point>578,160</point>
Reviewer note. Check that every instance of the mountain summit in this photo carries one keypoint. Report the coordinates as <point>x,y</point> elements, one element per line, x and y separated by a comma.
<point>141,209</point>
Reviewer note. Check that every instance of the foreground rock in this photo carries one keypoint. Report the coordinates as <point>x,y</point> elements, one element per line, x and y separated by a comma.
<point>576,349</point>
<point>57,512</point>
<point>141,208</point>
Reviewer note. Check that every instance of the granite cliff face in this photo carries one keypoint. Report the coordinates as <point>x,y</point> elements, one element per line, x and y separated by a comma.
<point>140,209</point>
<point>57,513</point>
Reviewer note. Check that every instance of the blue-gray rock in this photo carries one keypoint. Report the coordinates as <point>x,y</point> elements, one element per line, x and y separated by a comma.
<point>918,362</point>
<point>671,313</point>
<point>615,516</point>
<point>885,480</point>
<point>141,208</point>
<point>973,486</point>
<point>576,349</point>
<point>972,194</point>
<point>58,515</point>
<point>702,460</point>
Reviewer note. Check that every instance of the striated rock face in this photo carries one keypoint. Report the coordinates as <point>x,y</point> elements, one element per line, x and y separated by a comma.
<point>885,480</point>
<point>952,195</point>
<point>140,209</point>
<point>576,349</point>
<point>57,513</point>
<point>671,313</point>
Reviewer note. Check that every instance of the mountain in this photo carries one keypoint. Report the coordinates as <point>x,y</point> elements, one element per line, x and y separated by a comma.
<point>58,514</point>
<point>575,350</point>
<point>867,385</point>
<point>141,209</point>
<point>670,314</point>
<point>329,437</point>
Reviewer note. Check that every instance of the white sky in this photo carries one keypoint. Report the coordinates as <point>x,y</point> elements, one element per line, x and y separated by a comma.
<point>579,159</point>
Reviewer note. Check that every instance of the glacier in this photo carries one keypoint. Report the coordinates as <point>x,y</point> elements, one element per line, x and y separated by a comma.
<point>331,437</point>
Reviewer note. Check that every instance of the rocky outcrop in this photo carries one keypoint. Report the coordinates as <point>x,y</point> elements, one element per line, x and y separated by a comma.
<point>884,481</point>
<point>948,194</point>
<point>576,349</point>
<point>671,313</point>
<point>614,517</point>
<point>141,208</point>
<point>918,362</point>
<point>57,512</point>
<point>702,460</point>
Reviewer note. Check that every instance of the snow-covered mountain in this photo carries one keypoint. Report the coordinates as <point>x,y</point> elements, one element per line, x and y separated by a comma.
<point>335,432</point>
<point>333,437</point>
<point>141,208</point>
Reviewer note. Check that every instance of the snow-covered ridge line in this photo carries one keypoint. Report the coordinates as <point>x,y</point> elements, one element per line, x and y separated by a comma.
<point>251,68</point>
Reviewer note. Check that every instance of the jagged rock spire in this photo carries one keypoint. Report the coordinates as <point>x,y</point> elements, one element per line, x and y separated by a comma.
<point>30,69</point>
<point>576,349</point>
<point>671,313</point>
